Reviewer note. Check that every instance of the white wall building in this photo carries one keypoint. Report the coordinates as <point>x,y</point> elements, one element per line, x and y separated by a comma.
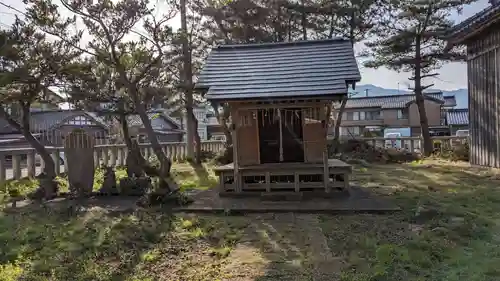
<point>201,115</point>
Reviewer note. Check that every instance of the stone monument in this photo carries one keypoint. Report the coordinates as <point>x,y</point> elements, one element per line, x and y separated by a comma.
<point>79,151</point>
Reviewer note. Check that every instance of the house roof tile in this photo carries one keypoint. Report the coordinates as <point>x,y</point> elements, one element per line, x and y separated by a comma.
<point>458,116</point>
<point>393,101</point>
<point>293,69</point>
<point>44,120</point>
<point>159,121</point>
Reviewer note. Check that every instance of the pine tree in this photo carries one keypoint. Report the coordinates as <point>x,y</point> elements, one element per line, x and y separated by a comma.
<point>30,63</point>
<point>139,63</point>
<point>411,40</point>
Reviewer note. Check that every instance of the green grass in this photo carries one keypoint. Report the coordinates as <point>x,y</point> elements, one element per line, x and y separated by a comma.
<point>186,176</point>
<point>97,246</point>
<point>447,230</point>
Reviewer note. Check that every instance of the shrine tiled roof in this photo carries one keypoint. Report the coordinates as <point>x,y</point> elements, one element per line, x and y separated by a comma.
<point>474,24</point>
<point>320,68</point>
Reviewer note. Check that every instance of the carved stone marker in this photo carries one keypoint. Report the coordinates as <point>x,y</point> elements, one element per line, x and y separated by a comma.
<point>79,151</point>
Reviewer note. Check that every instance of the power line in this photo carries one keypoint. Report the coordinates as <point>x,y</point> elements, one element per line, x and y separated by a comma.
<point>448,82</point>
<point>12,8</point>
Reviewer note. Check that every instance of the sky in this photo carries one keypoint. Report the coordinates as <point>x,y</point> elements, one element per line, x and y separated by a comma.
<point>452,75</point>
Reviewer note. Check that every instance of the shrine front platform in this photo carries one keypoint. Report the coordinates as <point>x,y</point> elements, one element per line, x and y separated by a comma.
<point>285,177</point>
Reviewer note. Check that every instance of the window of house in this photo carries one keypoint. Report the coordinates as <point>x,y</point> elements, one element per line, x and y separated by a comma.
<point>355,116</point>
<point>349,131</point>
<point>403,113</point>
<point>142,139</point>
<point>368,115</point>
<point>355,131</point>
<point>80,121</point>
<point>362,115</point>
<point>349,116</point>
<point>218,138</point>
<point>7,109</point>
<point>372,115</point>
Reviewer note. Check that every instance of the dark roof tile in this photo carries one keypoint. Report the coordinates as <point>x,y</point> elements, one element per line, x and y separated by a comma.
<point>479,20</point>
<point>44,120</point>
<point>458,116</point>
<point>305,68</point>
<point>159,121</point>
<point>393,101</point>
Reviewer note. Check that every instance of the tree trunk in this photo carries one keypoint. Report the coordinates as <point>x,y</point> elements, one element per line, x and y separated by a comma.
<point>165,163</point>
<point>420,101</point>
<point>124,128</point>
<point>24,128</point>
<point>336,136</point>
<point>133,162</point>
<point>197,140</point>
<point>187,82</point>
<point>48,185</point>
<point>303,21</point>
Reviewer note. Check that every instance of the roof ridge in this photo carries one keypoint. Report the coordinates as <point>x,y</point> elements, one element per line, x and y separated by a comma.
<point>401,95</point>
<point>281,44</point>
<point>56,110</point>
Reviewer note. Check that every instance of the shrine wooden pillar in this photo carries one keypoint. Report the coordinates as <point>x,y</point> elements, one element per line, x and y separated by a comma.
<point>237,176</point>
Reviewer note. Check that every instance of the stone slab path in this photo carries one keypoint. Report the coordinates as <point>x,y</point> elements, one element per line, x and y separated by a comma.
<point>326,267</point>
<point>285,246</point>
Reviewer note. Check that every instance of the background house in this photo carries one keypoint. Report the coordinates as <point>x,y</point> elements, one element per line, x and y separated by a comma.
<point>166,128</point>
<point>377,113</point>
<point>51,126</point>
<point>208,125</point>
<point>457,119</point>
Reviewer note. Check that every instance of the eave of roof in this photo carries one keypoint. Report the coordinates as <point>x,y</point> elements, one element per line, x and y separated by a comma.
<point>474,25</point>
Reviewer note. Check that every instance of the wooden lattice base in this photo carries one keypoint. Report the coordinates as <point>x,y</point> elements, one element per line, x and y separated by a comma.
<point>285,177</point>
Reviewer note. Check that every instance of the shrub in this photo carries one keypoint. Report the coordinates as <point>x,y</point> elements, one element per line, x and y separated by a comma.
<point>458,152</point>
<point>358,149</point>
<point>224,157</point>
<point>461,152</point>
<point>207,155</point>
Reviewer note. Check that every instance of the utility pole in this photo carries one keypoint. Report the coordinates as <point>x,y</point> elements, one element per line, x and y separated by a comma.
<point>187,83</point>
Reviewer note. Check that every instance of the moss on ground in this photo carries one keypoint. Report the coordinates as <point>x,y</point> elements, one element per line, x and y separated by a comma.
<point>448,230</point>
<point>187,176</point>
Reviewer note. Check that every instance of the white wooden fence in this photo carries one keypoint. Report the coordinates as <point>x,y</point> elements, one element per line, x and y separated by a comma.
<point>18,163</point>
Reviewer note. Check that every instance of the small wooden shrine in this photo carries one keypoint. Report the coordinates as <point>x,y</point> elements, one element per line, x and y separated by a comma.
<point>280,96</point>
